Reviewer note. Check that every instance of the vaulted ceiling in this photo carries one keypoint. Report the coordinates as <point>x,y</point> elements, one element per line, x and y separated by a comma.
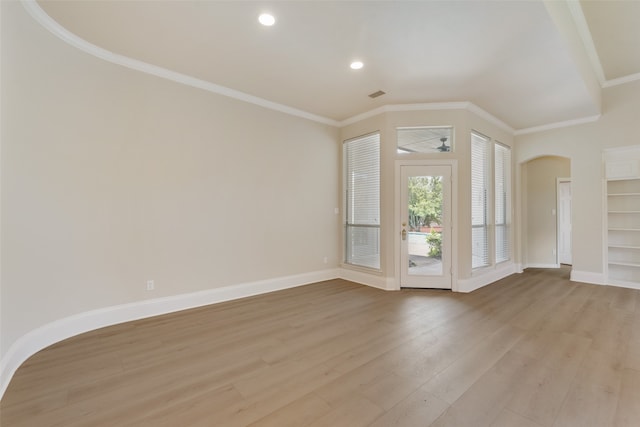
<point>517,60</point>
<point>615,30</point>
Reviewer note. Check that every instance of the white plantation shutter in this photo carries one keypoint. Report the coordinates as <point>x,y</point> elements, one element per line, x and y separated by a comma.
<point>502,193</point>
<point>362,200</point>
<point>479,200</point>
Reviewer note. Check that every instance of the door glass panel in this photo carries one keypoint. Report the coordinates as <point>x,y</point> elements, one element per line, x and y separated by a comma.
<point>425,225</point>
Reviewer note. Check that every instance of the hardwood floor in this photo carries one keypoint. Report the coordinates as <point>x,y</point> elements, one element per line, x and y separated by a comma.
<point>531,350</point>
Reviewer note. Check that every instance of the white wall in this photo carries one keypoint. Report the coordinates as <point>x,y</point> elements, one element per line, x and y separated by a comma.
<point>583,144</point>
<point>111,177</point>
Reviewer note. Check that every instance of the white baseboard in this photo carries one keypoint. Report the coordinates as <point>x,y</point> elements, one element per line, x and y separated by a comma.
<point>539,265</point>
<point>623,284</point>
<point>46,335</point>
<point>373,280</point>
<point>578,276</point>
<point>485,277</point>
<point>587,277</point>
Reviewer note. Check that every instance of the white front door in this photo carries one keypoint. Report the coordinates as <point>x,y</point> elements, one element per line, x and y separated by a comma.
<point>425,245</point>
<point>564,222</point>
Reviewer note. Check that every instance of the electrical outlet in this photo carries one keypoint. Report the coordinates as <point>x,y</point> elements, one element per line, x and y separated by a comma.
<point>553,251</point>
<point>325,260</point>
<point>150,285</point>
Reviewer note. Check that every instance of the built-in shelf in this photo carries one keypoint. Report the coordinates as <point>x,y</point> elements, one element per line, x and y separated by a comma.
<point>625,264</point>
<point>623,220</point>
<point>611,245</point>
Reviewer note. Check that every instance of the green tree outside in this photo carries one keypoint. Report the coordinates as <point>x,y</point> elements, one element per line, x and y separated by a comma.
<point>425,209</point>
<point>425,201</point>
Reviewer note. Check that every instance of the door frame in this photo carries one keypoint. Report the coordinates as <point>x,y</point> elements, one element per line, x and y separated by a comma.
<point>560,180</point>
<point>397,228</point>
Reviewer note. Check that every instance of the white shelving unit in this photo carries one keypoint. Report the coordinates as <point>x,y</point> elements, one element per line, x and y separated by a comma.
<point>623,222</point>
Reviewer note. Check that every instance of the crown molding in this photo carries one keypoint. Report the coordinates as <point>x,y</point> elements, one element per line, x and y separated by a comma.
<point>489,117</point>
<point>37,13</point>
<point>429,106</point>
<point>468,106</point>
<point>40,16</point>
<point>405,107</point>
<point>621,80</point>
<point>363,116</point>
<point>557,125</point>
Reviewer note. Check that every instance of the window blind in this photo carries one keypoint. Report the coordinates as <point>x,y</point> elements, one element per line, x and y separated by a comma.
<point>362,200</point>
<point>479,197</point>
<point>502,193</point>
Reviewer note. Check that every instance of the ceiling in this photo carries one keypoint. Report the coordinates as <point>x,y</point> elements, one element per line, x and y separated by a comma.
<point>615,30</point>
<point>509,58</point>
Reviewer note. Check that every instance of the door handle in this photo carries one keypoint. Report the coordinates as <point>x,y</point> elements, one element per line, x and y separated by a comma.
<point>404,234</point>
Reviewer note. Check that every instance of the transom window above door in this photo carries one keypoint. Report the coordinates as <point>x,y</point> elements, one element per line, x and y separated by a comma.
<point>425,139</point>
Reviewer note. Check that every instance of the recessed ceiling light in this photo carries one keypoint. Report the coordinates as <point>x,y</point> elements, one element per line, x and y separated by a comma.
<point>267,19</point>
<point>356,65</point>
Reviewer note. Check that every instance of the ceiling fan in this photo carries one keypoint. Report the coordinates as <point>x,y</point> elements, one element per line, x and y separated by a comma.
<point>444,148</point>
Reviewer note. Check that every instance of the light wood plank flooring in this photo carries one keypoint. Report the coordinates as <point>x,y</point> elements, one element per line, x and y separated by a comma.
<point>531,350</point>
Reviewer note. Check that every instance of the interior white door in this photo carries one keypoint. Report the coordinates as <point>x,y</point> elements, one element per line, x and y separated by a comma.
<point>564,222</point>
<point>425,230</point>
